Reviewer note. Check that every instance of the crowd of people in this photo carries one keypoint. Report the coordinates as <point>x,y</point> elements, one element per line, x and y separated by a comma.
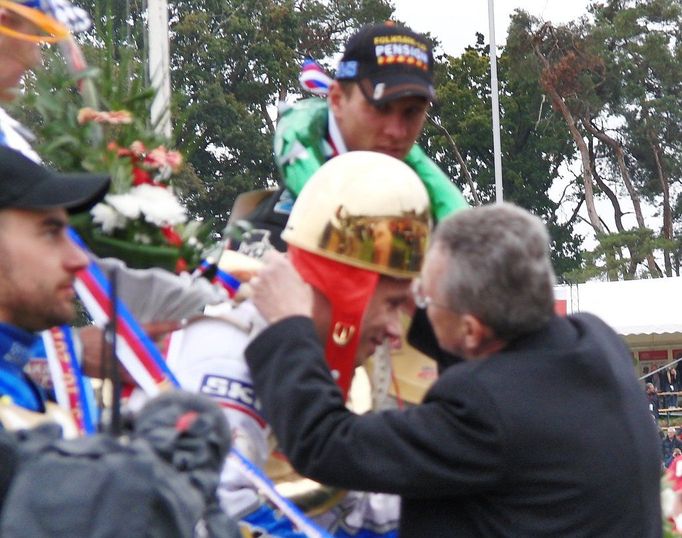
<point>370,230</point>
<point>664,381</point>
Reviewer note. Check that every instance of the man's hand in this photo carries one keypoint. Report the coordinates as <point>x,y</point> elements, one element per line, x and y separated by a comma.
<point>279,291</point>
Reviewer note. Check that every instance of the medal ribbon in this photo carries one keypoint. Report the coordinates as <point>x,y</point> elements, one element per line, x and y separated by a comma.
<point>265,485</point>
<point>137,352</point>
<point>225,279</point>
<point>73,391</point>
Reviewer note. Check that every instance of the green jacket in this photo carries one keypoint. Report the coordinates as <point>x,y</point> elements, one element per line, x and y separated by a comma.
<point>301,147</point>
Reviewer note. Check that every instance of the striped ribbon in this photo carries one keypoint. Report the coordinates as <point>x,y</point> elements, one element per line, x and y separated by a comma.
<point>136,351</point>
<point>73,390</point>
<point>265,485</point>
<point>146,366</point>
<point>225,279</point>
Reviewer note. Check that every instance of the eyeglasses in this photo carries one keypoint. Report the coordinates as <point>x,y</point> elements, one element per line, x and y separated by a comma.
<point>421,300</point>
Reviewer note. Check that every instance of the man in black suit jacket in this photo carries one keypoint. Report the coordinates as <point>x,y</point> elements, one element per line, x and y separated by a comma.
<point>543,429</point>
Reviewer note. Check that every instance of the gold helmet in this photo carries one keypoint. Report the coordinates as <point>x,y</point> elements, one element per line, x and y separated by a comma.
<point>360,216</point>
<point>364,209</point>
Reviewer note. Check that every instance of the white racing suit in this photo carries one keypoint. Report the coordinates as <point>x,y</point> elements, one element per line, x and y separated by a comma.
<point>208,357</point>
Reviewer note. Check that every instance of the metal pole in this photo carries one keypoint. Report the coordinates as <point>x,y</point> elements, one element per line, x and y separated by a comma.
<point>494,91</point>
<point>159,66</point>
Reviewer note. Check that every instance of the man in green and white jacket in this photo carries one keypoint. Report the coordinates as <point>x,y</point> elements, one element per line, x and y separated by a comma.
<point>377,102</point>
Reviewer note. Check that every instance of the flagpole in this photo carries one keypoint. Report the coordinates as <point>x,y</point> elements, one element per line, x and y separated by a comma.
<point>494,91</point>
<point>159,66</point>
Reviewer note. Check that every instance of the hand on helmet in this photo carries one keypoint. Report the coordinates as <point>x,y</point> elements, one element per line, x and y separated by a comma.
<point>278,291</point>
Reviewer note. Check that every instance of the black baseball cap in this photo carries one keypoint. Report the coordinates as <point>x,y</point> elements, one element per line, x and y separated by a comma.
<point>25,184</point>
<point>388,62</point>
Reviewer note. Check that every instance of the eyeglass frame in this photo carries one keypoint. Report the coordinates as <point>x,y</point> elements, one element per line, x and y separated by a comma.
<point>421,300</point>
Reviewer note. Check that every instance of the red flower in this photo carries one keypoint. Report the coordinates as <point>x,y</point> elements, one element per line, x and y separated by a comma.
<point>181,265</point>
<point>140,177</point>
<point>172,237</point>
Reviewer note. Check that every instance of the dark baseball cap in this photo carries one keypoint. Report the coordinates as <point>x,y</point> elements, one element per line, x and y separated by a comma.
<point>388,62</point>
<point>25,184</point>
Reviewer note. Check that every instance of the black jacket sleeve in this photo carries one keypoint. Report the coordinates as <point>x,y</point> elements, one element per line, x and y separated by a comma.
<point>447,445</point>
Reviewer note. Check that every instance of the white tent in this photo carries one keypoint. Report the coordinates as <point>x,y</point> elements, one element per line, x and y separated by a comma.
<point>631,307</point>
<point>647,313</point>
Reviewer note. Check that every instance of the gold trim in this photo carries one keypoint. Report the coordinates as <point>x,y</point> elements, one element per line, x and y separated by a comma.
<point>391,245</point>
<point>347,260</point>
<point>342,333</point>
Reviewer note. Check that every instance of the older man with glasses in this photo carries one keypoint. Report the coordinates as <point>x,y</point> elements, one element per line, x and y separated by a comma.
<point>512,440</point>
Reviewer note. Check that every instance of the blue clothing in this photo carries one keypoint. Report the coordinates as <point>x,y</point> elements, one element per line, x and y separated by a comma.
<point>15,350</point>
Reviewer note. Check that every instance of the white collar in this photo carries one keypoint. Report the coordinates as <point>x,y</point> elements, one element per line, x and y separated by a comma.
<point>335,134</point>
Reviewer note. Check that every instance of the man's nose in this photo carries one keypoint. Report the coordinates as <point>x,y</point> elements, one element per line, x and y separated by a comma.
<point>75,258</point>
<point>395,126</point>
<point>394,325</point>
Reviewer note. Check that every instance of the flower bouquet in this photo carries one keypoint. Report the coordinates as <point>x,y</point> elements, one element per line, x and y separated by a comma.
<point>141,221</point>
<point>107,129</point>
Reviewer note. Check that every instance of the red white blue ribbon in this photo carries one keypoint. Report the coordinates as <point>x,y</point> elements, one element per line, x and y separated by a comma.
<point>135,350</point>
<point>266,486</point>
<point>225,279</point>
<point>73,390</point>
<point>313,78</point>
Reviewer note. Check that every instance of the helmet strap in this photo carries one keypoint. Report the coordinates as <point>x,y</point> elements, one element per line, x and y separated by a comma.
<point>349,290</point>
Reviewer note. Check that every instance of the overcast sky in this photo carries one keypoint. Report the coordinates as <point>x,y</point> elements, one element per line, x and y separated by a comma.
<point>455,22</point>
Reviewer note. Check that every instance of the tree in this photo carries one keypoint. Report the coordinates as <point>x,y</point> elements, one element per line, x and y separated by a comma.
<point>640,45</point>
<point>534,142</point>
<point>233,62</point>
<point>606,79</point>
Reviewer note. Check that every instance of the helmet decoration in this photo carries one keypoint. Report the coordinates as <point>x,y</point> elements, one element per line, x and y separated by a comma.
<point>361,215</point>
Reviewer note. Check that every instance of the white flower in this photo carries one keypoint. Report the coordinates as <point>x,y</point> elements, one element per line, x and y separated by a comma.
<point>125,203</point>
<point>159,205</point>
<point>107,217</point>
<point>142,238</point>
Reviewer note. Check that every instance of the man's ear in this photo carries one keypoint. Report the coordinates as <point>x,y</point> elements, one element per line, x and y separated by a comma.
<point>479,339</point>
<point>334,96</point>
<point>473,333</point>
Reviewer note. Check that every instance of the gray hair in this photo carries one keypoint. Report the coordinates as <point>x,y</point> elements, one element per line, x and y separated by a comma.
<point>499,269</point>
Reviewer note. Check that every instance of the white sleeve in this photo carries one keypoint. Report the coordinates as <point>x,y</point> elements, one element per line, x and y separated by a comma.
<point>207,357</point>
<point>156,294</point>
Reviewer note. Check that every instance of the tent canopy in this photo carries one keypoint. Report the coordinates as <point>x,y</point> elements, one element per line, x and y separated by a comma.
<point>631,307</point>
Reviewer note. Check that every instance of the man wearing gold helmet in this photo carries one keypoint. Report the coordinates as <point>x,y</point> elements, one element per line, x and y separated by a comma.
<point>357,234</point>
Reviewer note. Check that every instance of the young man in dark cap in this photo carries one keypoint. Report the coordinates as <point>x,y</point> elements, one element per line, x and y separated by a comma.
<point>377,102</point>
<point>153,294</point>
<point>38,262</point>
